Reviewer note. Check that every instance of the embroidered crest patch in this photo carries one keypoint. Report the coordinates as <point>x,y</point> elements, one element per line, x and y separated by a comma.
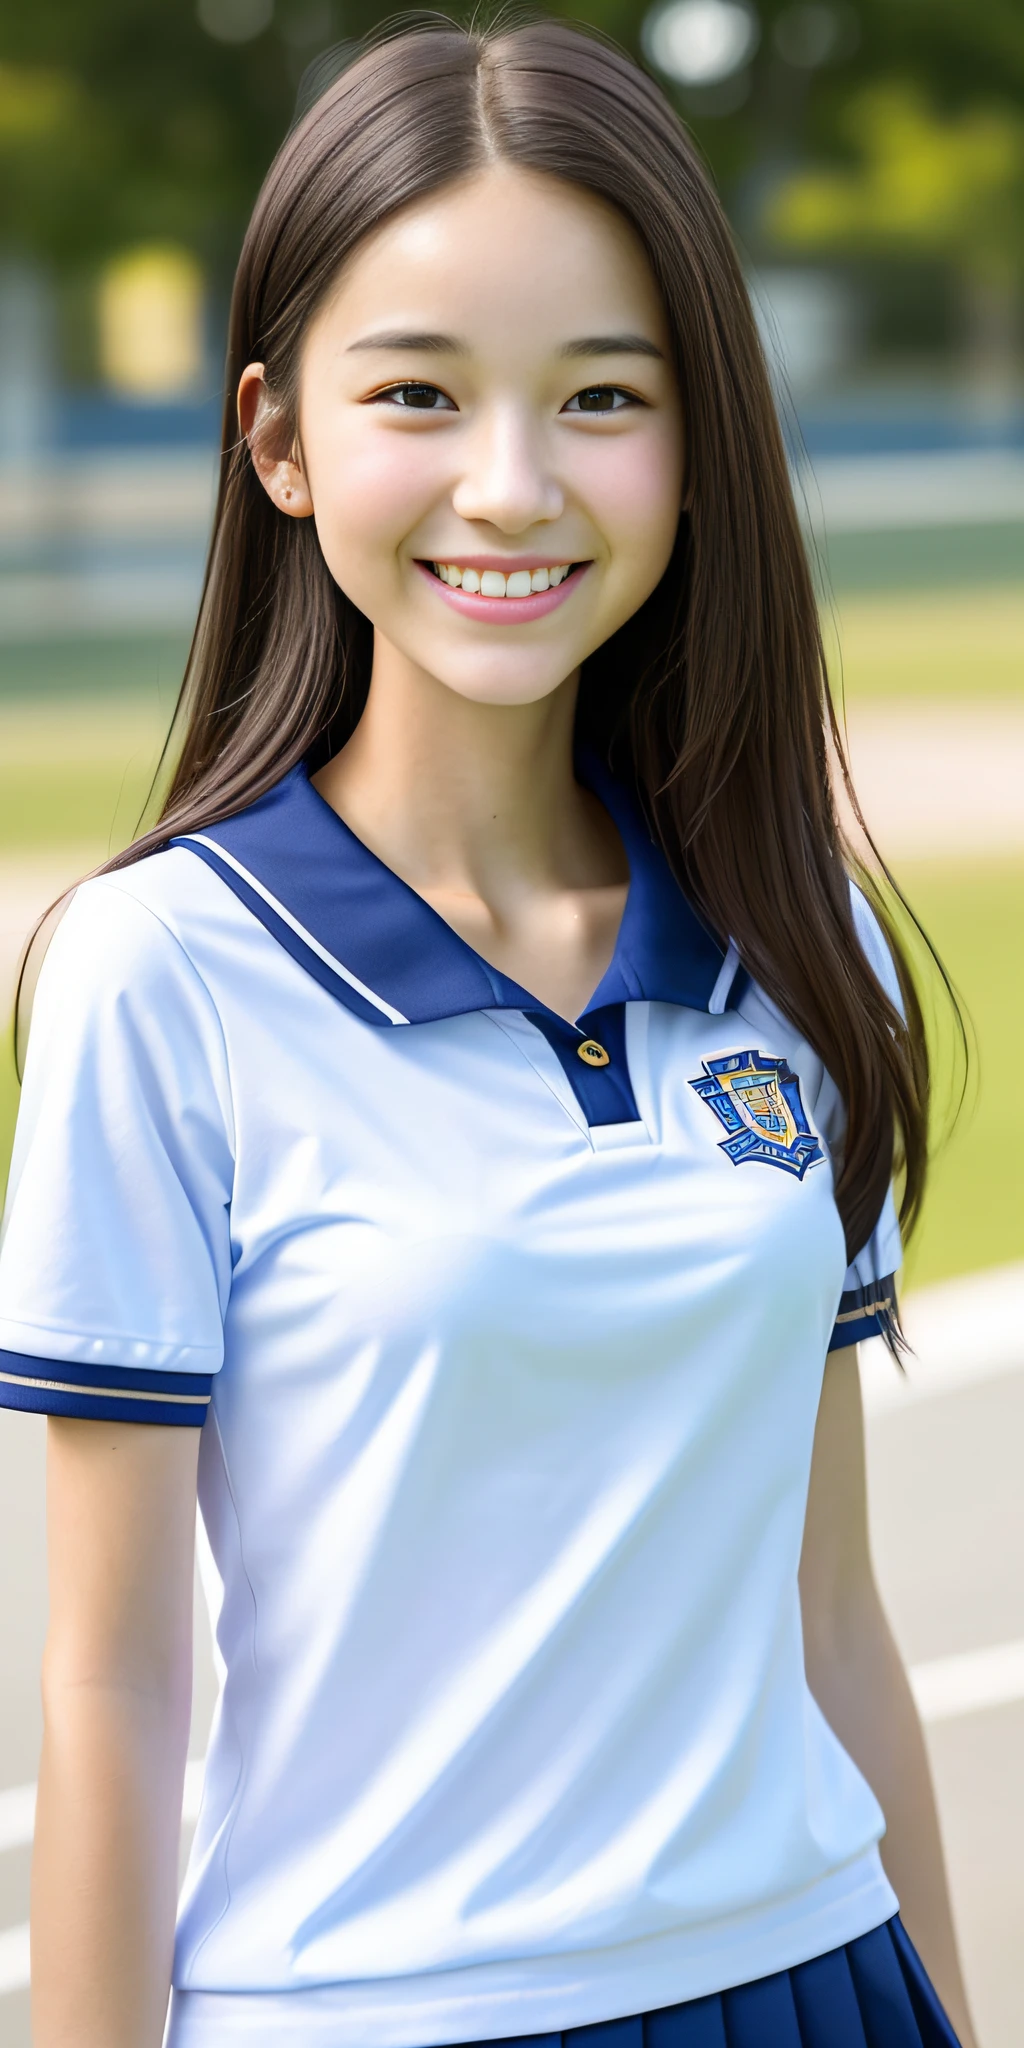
<point>757,1100</point>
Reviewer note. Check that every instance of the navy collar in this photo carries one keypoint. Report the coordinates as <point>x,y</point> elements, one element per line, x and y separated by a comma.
<point>367,936</point>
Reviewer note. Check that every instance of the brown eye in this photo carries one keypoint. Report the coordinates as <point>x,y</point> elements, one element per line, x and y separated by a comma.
<point>415,398</point>
<point>600,398</point>
<point>423,396</point>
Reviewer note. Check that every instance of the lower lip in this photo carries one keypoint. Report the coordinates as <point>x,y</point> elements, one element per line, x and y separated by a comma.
<point>505,611</point>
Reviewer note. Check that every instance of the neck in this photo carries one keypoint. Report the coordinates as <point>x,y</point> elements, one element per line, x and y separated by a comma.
<point>454,793</point>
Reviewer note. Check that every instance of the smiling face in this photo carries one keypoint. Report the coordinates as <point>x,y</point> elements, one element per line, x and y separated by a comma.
<point>490,434</point>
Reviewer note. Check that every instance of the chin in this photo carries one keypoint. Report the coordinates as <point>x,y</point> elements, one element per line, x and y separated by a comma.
<point>503,690</point>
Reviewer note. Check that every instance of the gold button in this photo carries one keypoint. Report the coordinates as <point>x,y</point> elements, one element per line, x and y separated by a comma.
<point>592,1054</point>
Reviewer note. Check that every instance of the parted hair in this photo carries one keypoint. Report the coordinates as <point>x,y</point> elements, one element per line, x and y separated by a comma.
<point>713,700</point>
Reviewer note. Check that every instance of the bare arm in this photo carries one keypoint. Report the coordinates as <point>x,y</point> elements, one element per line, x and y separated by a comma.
<point>856,1676</point>
<point>117,1676</point>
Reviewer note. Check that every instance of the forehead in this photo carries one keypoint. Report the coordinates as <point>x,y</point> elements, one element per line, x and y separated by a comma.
<point>504,248</point>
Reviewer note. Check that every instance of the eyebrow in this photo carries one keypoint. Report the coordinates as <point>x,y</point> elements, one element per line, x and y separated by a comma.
<point>449,345</point>
<point>613,345</point>
<point>424,344</point>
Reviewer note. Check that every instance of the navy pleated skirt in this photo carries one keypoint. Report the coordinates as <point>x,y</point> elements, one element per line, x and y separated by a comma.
<point>874,1993</point>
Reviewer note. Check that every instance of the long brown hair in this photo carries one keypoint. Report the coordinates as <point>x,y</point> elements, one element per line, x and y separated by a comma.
<point>713,699</point>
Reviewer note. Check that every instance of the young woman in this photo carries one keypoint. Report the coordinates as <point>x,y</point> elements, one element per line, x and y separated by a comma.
<point>463,1127</point>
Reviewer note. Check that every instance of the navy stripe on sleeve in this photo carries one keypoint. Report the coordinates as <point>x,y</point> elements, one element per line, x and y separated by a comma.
<point>864,1312</point>
<point>103,1393</point>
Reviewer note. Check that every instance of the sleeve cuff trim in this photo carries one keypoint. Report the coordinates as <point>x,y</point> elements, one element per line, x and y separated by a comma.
<point>865,1312</point>
<point>10,1379</point>
<point>870,1308</point>
<point>61,1387</point>
<point>36,1398</point>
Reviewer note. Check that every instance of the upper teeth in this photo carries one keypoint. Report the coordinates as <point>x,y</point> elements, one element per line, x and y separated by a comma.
<point>494,583</point>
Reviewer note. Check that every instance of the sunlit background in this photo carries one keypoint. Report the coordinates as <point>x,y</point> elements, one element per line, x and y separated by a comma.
<point>871,155</point>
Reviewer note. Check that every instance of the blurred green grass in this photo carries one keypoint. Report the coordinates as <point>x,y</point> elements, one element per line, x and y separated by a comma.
<point>919,558</point>
<point>94,665</point>
<point>93,803</point>
<point>77,762</point>
<point>944,643</point>
<point>974,1208</point>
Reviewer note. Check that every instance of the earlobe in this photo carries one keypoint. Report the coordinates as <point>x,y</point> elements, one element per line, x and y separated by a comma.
<point>284,483</point>
<point>279,469</point>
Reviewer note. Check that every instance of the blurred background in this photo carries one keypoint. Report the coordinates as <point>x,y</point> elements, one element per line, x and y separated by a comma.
<point>871,155</point>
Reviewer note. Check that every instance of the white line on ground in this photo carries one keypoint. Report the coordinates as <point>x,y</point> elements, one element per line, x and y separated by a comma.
<point>14,1972</point>
<point>938,782</point>
<point>949,1686</point>
<point>17,1816</point>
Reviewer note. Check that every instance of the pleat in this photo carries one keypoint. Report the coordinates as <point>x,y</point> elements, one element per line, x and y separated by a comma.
<point>699,2023</point>
<point>519,2041</point>
<point>826,2003</point>
<point>888,2015</point>
<point>936,2030</point>
<point>627,2033</point>
<point>762,2015</point>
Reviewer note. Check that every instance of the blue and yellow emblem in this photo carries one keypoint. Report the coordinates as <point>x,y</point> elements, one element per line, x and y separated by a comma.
<point>757,1099</point>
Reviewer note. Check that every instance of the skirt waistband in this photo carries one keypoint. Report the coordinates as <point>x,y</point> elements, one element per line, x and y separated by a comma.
<point>872,1993</point>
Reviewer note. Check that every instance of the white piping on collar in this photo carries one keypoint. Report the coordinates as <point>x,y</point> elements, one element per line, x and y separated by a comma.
<point>279,909</point>
<point>726,976</point>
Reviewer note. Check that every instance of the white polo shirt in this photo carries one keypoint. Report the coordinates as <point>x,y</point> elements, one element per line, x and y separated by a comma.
<point>508,1362</point>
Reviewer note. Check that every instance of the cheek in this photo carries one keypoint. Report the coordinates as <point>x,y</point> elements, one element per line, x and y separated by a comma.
<point>369,493</point>
<point>633,487</point>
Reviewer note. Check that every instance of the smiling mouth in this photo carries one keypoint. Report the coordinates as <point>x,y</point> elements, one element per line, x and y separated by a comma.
<point>517,583</point>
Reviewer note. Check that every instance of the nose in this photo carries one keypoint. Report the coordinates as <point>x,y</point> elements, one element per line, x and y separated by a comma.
<point>506,480</point>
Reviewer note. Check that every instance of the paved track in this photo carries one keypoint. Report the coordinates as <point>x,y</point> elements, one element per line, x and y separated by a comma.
<point>940,780</point>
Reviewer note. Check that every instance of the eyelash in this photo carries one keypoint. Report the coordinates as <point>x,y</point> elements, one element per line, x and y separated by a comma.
<point>390,396</point>
<point>395,393</point>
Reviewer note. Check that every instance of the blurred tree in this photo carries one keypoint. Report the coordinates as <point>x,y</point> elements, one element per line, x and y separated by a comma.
<point>123,121</point>
<point>816,56</point>
<point>128,121</point>
<point>951,185</point>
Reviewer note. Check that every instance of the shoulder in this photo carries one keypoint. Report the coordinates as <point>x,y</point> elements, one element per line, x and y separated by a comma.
<point>123,1031</point>
<point>123,961</point>
<point>151,921</point>
<point>875,945</point>
<point>753,1003</point>
<point>169,889</point>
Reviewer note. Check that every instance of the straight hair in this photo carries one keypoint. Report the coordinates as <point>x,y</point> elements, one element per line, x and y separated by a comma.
<point>713,700</point>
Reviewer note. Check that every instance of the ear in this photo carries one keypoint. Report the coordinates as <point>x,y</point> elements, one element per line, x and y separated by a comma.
<point>275,454</point>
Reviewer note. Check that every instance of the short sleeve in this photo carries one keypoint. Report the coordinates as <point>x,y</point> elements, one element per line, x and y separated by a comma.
<point>115,1263</point>
<point>868,1303</point>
